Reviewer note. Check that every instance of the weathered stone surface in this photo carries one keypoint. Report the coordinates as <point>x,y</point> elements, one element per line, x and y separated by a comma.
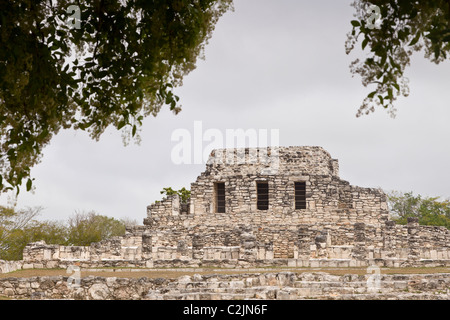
<point>342,225</point>
<point>282,285</point>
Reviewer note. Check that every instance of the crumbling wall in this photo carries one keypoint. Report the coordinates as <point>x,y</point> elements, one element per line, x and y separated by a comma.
<point>328,198</point>
<point>306,245</point>
<point>10,266</point>
<point>267,286</point>
<point>128,247</point>
<point>340,222</point>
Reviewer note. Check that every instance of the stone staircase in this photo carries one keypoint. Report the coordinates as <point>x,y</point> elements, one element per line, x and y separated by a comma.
<point>290,286</point>
<point>240,286</point>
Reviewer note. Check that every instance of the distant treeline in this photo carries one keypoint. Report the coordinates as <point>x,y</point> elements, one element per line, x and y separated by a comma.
<point>429,210</point>
<point>20,227</point>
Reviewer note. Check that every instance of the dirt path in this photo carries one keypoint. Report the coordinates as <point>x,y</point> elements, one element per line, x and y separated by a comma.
<point>173,273</point>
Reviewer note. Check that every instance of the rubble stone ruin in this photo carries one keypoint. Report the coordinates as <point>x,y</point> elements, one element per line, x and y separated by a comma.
<point>283,206</point>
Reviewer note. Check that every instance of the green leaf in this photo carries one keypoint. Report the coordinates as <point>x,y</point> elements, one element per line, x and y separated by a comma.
<point>437,51</point>
<point>383,58</point>
<point>355,23</point>
<point>121,125</point>
<point>395,65</point>
<point>390,94</point>
<point>415,39</point>
<point>372,94</point>
<point>162,48</point>
<point>29,183</point>
<point>364,43</point>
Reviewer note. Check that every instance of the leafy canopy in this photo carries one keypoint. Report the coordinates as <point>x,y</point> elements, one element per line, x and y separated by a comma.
<point>115,65</point>
<point>20,227</point>
<point>429,210</point>
<point>86,228</point>
<point>391,34</point>
<point>184,193</point>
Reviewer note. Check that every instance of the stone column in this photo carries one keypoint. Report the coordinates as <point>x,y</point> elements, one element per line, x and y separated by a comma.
<point>197,247</point>
<point>175,205</point>
<point>182,248</point>
<point>248,249</point>
<point>321,244</point>
<point>413,238</point>
<point>303,242</point>
<point>147,249</point>
<point>359,249</point>
<point>389,243</point>
<point>146,243</point>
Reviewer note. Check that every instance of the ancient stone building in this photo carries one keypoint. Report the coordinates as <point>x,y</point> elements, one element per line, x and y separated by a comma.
<point>281,206</point>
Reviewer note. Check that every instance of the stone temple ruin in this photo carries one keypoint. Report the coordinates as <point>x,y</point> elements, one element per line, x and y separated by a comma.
<point>282,206</point>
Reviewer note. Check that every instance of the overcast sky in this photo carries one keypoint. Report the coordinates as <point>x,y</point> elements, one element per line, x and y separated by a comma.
<point>269,65</point>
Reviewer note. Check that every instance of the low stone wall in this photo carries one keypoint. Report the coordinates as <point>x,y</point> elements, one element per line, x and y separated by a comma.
<point>281,286</point>
<point>245,246</point>
<point>274,240</point>
<point>127,247</point>
<point>232,263</point>
<point>10,266</point>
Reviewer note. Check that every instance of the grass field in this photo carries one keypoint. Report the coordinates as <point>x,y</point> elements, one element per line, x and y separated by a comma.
<point>173,273</point>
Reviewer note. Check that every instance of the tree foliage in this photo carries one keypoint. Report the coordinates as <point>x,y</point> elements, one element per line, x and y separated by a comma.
<point>86,228</point>
<point>391,34</point>
<point>429,210</point>
<point>184,193</point>
<point>20,227</point>
<point>119,65</point>
<point>11,224</point>
<point>50,231</point>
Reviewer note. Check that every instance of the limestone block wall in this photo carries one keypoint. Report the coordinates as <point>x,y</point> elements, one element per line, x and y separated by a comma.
<point>340,221</point>
<point>358,242</point>
<point>10,266</point>
<point>128,247</point>
<point>328,198</point>
<point>281,286</point>
<point>304,245</point>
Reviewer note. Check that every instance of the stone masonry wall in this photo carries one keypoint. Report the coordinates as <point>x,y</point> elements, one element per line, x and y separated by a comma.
<point>10,266</point>
<point>329,199</point>
<point>267,286</point>
<point>340,222</point>
<point>243,246</point>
